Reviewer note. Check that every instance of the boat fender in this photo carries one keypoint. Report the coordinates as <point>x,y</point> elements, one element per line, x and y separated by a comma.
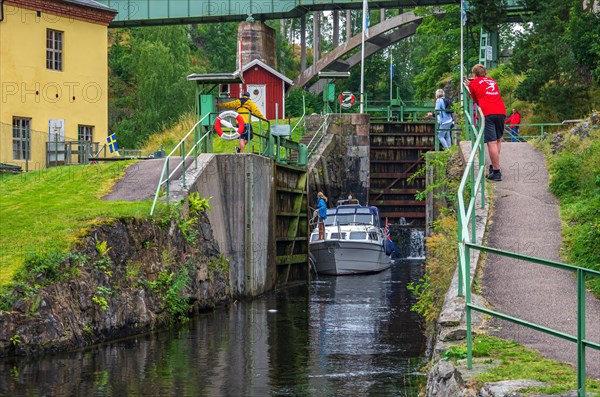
<point>221,122</point>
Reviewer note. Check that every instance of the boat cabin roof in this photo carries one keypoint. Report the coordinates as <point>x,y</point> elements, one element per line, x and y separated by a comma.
<point>353,209</point>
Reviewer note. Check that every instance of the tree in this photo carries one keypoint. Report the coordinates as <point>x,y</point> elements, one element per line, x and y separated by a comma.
<point>437,50</point>
<point>148,86</point>
<point>556,67</point>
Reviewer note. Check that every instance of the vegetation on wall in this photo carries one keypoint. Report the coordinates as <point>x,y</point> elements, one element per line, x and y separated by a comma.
<point>573,157</point>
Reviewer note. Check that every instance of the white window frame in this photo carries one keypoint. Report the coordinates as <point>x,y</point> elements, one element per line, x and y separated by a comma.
<point>85,133</point>
<point>21,138</point>
<point>54,49</point>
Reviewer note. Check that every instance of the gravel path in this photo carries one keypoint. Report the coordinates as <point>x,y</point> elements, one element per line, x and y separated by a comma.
<point>141,179</point>
<point>526,220</point>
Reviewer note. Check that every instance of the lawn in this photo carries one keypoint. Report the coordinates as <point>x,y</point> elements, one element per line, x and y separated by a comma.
<point>518,362</point>
<point>49,209</point>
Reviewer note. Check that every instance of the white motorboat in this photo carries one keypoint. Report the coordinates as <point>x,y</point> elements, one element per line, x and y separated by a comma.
<point>355,241</point>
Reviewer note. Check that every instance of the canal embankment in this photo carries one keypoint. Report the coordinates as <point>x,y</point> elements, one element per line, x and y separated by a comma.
<point>125,277</point>
<point>524,218</point>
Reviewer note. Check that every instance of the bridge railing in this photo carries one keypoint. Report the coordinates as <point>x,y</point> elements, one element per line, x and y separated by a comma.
<point>467,241</point>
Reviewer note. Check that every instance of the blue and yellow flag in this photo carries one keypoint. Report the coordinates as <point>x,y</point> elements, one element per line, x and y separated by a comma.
<point>112,143</point>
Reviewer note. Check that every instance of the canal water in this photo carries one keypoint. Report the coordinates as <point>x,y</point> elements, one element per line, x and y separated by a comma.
<point>338,336</point>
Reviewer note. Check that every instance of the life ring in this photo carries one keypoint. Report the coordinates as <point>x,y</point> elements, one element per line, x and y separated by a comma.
<point>222,121</point>
<point>346,99</point>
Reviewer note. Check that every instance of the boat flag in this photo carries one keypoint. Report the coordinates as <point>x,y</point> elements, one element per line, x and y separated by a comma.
<point>112,143</point>
<point>387,229</point>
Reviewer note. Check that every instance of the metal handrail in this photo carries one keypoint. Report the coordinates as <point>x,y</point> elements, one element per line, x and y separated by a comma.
<point>165,168</point>
<point>466,242</point>
<point>303,118</point>
<point>323,127</point>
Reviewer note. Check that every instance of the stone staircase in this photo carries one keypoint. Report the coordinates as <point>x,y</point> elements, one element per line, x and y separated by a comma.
<point>313,123</point>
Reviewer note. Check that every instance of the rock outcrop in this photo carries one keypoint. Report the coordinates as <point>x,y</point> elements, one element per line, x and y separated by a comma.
<point>124,277</point>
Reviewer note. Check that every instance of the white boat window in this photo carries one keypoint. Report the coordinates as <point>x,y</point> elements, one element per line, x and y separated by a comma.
<point>366,219</point>
<point>345,219</point>
<point>358,235</point>
<point>330,220</point>
<point>336,236</point>
<point>314,237</point>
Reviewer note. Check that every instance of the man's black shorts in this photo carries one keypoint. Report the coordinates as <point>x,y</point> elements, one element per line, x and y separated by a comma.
<point>494,127</point>
<point>247,131</point>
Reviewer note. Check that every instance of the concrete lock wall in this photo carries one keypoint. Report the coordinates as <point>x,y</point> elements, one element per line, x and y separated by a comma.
<point>240,188</point>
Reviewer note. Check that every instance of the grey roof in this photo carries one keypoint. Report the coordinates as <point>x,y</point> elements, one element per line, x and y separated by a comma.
<point>91,3</point>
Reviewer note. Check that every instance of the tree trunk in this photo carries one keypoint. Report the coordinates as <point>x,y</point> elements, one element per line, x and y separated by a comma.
<point>316,36</point>
<point>348,25</point>
<point>336,28</point>
<point>302,43</point>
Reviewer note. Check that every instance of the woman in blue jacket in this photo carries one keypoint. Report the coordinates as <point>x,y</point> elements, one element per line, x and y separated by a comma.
<point>322,212</point>
<point>444,119</point>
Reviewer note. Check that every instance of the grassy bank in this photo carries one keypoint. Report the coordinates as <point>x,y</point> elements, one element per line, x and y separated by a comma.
<point>573,158</point>
<point>514,361</point>
<point>48,210</point>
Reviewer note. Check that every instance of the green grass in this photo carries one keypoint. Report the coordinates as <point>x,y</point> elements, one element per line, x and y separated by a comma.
<point>518,362</point>
<point>48,210</point>
<point>575,180</point>
<point>169,138</point>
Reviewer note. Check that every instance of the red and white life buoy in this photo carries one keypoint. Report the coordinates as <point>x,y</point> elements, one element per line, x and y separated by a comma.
<point>225,120</point>
<point>346,99</point>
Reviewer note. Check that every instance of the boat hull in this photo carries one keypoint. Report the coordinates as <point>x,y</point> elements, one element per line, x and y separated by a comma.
<point>342,257</point>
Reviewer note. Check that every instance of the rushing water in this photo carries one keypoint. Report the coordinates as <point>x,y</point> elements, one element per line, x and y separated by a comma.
<point>340,336</point>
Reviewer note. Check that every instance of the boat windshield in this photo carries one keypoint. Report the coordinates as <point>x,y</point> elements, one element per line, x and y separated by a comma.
<point>349,216</point>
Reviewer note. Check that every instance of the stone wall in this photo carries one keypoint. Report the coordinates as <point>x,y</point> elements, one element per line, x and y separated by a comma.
<point>341,166</point>
<point>122,289</point>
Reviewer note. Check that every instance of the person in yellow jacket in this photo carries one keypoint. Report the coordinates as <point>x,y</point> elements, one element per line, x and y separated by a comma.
<point>244,106</point>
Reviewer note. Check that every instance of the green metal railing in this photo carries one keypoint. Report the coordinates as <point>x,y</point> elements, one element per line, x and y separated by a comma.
<point>165,181</point>
<point>529,129</point>
<point>263,143</point>
<point>466,242</point>
<point>398,109</point>
<point>318,136</point>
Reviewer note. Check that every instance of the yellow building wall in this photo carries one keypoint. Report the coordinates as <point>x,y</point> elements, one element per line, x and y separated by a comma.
<point>78,94</point>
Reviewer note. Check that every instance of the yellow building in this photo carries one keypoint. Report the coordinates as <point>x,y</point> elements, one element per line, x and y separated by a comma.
<point>53,80</point>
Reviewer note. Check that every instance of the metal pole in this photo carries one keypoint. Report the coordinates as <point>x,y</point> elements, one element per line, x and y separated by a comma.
<point>362,57</point>
<point>167,181</point>
<point>460,264</point>
<point>580,333</point>
<point>391,77</point>
<point>183,163</point>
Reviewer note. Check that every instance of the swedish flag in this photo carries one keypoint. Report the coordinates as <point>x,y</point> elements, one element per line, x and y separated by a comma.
<point>112,143</point>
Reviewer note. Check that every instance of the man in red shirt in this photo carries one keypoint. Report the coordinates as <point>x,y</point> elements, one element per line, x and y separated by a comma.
<point>486,94</point>
<point>514,118</point>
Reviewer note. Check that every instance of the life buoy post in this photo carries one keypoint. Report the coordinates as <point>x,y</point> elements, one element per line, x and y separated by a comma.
<point>346,100</point>
<point>225,128</point>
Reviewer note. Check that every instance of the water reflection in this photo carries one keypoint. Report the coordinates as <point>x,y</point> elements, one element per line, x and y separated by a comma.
<point>343,336</point>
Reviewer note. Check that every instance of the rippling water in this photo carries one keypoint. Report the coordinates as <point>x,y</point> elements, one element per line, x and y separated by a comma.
<point>339,336</point>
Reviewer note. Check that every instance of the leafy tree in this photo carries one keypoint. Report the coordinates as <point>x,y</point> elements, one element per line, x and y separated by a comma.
<point>437,50</point>
<point>148,82</point>
<point>556,70</point>
<point>217,44</point>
